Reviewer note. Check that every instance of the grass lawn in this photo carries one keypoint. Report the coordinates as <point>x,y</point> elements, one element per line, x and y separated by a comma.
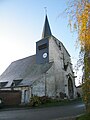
<point>84,117</point>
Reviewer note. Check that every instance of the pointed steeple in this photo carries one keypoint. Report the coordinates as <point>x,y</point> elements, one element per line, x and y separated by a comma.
<point>46,29</point>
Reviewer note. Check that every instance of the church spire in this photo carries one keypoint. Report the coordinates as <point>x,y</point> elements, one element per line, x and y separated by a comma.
<point>46,29</point>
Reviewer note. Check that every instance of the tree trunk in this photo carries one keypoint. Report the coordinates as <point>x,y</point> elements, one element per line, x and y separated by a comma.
<point>86,89</point>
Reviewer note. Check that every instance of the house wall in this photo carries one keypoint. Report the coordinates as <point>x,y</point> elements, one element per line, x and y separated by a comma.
<point>25,93</point>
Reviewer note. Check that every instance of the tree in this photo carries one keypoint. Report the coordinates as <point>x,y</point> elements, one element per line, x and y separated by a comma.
<point>79,18</point>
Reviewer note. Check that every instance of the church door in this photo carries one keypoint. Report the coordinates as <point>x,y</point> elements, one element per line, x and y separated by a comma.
<point>70,88</point>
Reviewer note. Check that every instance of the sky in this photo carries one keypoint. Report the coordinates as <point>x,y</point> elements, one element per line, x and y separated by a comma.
<point>21,25</point>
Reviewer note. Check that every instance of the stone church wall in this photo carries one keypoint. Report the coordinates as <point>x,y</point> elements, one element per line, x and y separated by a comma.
<point>55,54</point>
<point>38,87</point>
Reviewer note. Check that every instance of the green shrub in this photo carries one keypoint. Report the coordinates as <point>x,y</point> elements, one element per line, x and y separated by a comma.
<point>35,101</point>
<point>45,99</point>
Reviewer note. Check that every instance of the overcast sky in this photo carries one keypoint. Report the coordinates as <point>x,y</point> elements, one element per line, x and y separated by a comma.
<point>21,25</point>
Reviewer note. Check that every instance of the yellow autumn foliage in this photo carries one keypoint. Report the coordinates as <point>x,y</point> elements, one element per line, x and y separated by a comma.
<point>80,18</point>
<point>83,19</point>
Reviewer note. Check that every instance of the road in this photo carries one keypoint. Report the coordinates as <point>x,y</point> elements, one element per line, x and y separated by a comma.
<point>42,113</point>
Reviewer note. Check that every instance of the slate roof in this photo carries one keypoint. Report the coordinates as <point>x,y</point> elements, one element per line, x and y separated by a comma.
<point>46,29</point>
<point>25,70</point>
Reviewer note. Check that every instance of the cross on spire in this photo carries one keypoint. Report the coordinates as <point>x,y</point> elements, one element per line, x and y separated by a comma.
<point>45,10</point>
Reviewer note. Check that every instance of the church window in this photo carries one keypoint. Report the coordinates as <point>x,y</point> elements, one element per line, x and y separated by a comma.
<point>43,46</point>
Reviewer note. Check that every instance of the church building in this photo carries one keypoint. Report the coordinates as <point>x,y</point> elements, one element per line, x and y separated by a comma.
<point>47,73</point>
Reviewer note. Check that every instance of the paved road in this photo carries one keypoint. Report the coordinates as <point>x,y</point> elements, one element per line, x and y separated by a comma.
<point>42,113</point>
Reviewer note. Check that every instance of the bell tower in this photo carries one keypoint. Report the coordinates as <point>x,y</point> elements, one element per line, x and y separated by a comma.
<point>42,46</point>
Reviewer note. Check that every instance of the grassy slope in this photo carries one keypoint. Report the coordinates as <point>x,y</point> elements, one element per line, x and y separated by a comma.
<point>84,117</point>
